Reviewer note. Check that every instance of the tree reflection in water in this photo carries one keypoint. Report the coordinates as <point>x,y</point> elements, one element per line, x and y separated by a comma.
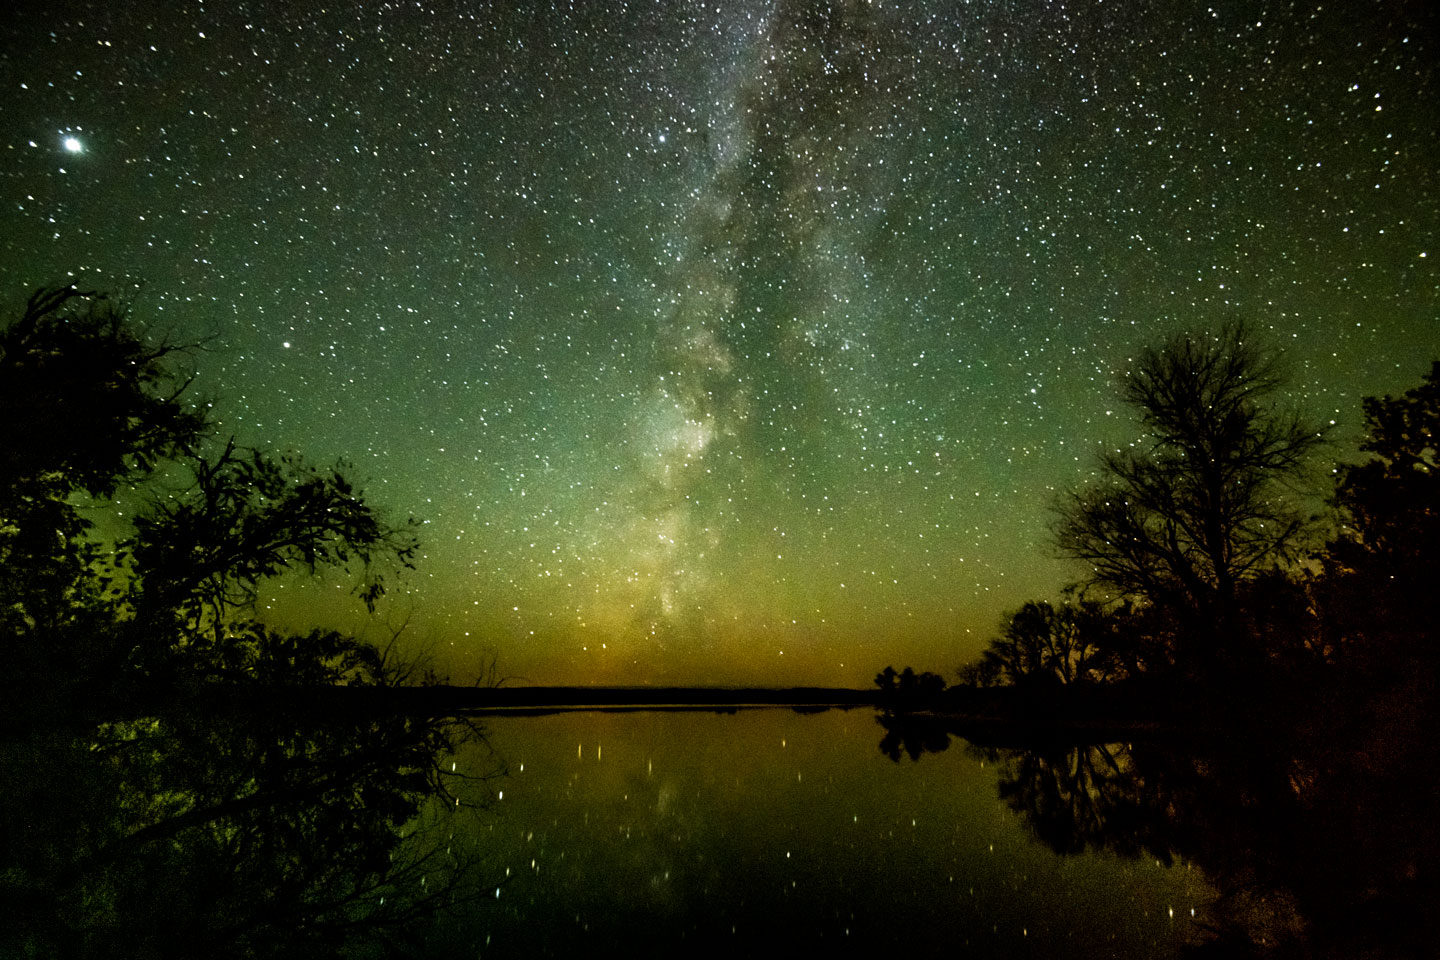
<point>287,827</point>
<point>1314,850</point>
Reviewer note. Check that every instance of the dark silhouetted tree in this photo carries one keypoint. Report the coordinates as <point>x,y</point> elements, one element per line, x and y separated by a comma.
<point>88,402</point>
<point>908,687</point>
<point>1380,571</point>
<point>979,673</point>
<point>200,557</point>
<point>1209,499</point>
<point>1392,501</point>
<point>1017,656</point>
<point>1078,642</point>
<point>87,399</point>
<point>187,780</point>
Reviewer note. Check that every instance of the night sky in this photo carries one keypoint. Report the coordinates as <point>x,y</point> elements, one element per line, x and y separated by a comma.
<point>738,342</point>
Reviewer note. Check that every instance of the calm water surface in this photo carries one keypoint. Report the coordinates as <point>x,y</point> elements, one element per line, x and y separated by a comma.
<point>650,832</point>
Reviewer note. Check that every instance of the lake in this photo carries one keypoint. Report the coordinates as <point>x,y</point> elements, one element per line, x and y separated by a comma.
<point>318,825</point>
<point>656,832</point>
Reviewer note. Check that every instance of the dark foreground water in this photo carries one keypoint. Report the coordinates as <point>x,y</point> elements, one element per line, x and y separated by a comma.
<point>307,827</point>
<point>647,833</point>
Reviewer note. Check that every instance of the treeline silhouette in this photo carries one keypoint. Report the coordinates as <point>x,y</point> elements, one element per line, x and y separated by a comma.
<point>1222,577</point>
<point>1242,680</point>
<point>173,784</point>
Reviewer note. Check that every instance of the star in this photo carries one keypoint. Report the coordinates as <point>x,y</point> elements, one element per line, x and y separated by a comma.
<point>611,325</point>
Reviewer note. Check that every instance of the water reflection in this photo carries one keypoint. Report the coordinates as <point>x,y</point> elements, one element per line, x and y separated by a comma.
<point>298,828</point>
<point>1314,849</point>
<point>282,828</point>
<point>655,834</point>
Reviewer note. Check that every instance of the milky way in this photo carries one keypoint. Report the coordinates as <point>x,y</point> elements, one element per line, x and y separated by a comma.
<point>737,342</point>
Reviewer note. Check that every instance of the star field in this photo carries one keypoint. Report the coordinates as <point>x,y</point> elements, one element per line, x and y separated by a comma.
<point>724,343</point>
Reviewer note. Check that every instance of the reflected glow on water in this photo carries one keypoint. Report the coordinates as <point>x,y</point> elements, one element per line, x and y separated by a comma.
<point>646,830</point>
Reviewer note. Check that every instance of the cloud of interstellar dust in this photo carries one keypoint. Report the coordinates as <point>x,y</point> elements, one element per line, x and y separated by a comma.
<point>761,345</point>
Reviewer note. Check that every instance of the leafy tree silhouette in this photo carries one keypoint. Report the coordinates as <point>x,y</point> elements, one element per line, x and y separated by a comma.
<point>181,779</point>
<point>1380,570</point>
<point>908,688</point>
<point>200,557</point>
<point>1075,643</point>
<point>86,399</point>
<point>89,402</point>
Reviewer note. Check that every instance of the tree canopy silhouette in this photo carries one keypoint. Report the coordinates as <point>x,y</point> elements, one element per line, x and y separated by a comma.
<point>1075,643</point>
<point>88,402</point>
<point>1379,570</point>
<point>1208,499</point>
<point>189,780</point>
<point>86,399</point>
<point>1392,500</point>
<point>909,687</point>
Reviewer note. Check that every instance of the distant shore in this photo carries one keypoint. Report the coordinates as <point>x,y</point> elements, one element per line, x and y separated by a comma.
<point>437,700</point>
<point>1002,707</point>
<point>993,714</point>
